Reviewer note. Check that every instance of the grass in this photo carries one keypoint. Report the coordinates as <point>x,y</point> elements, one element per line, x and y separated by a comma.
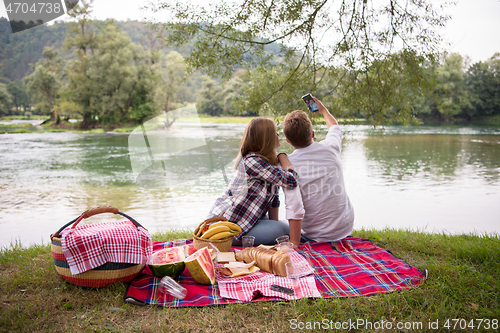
<point>463,284</point>
<point>49,127</point>
<point>491,120</point>
<point>22,117</point>
<point>218,120</point>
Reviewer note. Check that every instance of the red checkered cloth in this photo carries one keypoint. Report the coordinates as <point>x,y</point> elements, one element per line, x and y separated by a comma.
<point>345,268</point>
<point>92,245</point>
<point>245,288</point>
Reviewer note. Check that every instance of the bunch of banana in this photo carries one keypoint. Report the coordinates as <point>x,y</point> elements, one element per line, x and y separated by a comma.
<point>221,230</point>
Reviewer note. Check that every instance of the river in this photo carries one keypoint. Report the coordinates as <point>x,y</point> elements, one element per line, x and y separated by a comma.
<point>426,178</point>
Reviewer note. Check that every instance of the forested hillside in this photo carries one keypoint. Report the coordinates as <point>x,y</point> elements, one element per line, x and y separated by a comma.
<point>118,73</point>
<point>19,50</point>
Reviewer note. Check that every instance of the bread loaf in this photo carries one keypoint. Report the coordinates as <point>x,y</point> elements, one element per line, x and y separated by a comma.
<point>267,259</point>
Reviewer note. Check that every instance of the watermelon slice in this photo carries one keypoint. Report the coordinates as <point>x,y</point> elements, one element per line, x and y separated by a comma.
<point>201,267</point>
<point>169,261</point>
<point>190,249</point>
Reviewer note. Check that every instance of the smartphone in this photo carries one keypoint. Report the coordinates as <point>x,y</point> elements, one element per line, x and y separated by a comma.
<point>280,289</point>
<point>311,104</point>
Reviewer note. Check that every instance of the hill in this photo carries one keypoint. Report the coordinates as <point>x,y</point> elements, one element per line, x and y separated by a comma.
<point>19,50</point>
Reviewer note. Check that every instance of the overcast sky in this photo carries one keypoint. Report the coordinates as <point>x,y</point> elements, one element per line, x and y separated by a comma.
<point>474,29</point>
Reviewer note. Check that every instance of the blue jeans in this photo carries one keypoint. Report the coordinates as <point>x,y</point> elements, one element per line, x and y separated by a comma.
<point>266,231</point>
<point>304,239</point>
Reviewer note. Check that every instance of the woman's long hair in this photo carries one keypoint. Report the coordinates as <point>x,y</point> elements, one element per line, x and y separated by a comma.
<point>259,138</point>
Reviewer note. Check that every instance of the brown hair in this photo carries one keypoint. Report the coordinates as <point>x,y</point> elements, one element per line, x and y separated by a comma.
<point>298,129</point>
<point>260,138</point>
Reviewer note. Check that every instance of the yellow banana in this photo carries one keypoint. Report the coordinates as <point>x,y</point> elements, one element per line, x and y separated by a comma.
<point>221,235</point>
<point>231,225</point>
<point>210,232</point>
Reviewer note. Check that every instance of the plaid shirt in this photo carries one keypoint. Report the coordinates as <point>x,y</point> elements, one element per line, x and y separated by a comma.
<point>253,190</point>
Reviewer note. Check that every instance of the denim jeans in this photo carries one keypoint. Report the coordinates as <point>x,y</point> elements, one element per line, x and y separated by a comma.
<point>266,231</point>
<point>304,239</point>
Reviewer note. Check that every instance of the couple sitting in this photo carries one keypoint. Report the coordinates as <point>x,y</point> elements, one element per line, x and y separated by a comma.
<point>317,206</point>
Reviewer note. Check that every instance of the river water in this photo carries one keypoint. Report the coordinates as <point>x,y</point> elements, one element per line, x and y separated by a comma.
<point>427,178</point>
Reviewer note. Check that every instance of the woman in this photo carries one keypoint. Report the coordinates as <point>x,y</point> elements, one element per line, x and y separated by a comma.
<point>253,191</point>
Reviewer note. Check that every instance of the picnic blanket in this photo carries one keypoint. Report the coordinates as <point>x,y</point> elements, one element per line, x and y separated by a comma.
<point>92,245</point>
<point>349,267</point>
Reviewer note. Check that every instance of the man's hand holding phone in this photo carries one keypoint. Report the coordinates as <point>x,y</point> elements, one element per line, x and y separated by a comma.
<point>310,102</point>
<point>318,106</point>
<point>321,108</point>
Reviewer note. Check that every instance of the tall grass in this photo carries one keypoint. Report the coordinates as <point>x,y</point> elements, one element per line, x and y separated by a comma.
<point>463,284</point>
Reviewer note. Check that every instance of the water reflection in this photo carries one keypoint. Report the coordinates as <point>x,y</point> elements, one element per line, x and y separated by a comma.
<point>436,158</point>
<point>170,157</point>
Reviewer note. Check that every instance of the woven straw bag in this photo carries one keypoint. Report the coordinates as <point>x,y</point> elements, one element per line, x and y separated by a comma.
<point>224,245</point>
<point>101,276</point>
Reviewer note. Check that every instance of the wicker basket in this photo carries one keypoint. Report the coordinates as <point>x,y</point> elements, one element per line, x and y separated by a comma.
<point>101,276</point>
<point>224,245</point>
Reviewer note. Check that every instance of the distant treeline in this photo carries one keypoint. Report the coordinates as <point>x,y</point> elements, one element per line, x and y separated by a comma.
<point>119,73</point>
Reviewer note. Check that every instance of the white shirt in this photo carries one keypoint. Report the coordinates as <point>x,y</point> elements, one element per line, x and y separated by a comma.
<point>329,215</point>
<point>294,208</point>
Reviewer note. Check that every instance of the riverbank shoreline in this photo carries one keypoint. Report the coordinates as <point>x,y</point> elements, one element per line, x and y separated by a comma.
<point>462,289</point>
<point>65,126</point>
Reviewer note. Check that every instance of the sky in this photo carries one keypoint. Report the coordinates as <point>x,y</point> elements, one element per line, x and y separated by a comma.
<point>473,30</point>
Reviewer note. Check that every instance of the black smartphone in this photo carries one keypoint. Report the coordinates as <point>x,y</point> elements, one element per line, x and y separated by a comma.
<point>311,104</point>
<point>281,289</point>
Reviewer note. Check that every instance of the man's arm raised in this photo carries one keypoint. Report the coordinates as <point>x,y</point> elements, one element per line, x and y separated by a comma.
<point>330,120</point>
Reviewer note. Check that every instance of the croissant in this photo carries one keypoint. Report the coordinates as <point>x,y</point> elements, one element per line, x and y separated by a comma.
<point>265,258</point>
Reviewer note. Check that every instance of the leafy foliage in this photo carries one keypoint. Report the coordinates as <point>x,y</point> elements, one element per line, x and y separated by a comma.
<point>19,50</point>
<point>123,73</point>
<point>210,101</point>
<point>5,100</point>
<point>321,43</point>
<point>461,93</point>
<point>483,78</point>
<point>44,83</point>
<point>19,96</point>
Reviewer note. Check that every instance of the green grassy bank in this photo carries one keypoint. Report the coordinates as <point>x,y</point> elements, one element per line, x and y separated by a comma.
<point>74,127</point>
<point>463,288</point>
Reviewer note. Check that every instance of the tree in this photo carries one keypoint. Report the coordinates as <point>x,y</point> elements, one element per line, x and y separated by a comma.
<point>232,93</point>
<point>18,51</point>
<point>18,93</point>
<point>483,79</point>
<point>5,100</point>
<point>452,95</point>
<point>43,84</point>
<point>210,101</point>
<point>119,72</point>
<point>171,85</point>
<point>112,79</point>
<point>386,90</point>
<point>314,36</point>
<point>81,38</point>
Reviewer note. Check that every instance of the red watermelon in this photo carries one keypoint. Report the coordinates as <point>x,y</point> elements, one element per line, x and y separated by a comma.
<point>169,261</point>
<point>201,267</point>
<point>190,249</point>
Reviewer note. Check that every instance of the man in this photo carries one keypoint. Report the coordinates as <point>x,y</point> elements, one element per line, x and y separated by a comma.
<point>329,215</point>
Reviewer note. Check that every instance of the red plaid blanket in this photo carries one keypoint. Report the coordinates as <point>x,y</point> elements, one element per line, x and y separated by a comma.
<point>92,245</point>
<point>349,267</point>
